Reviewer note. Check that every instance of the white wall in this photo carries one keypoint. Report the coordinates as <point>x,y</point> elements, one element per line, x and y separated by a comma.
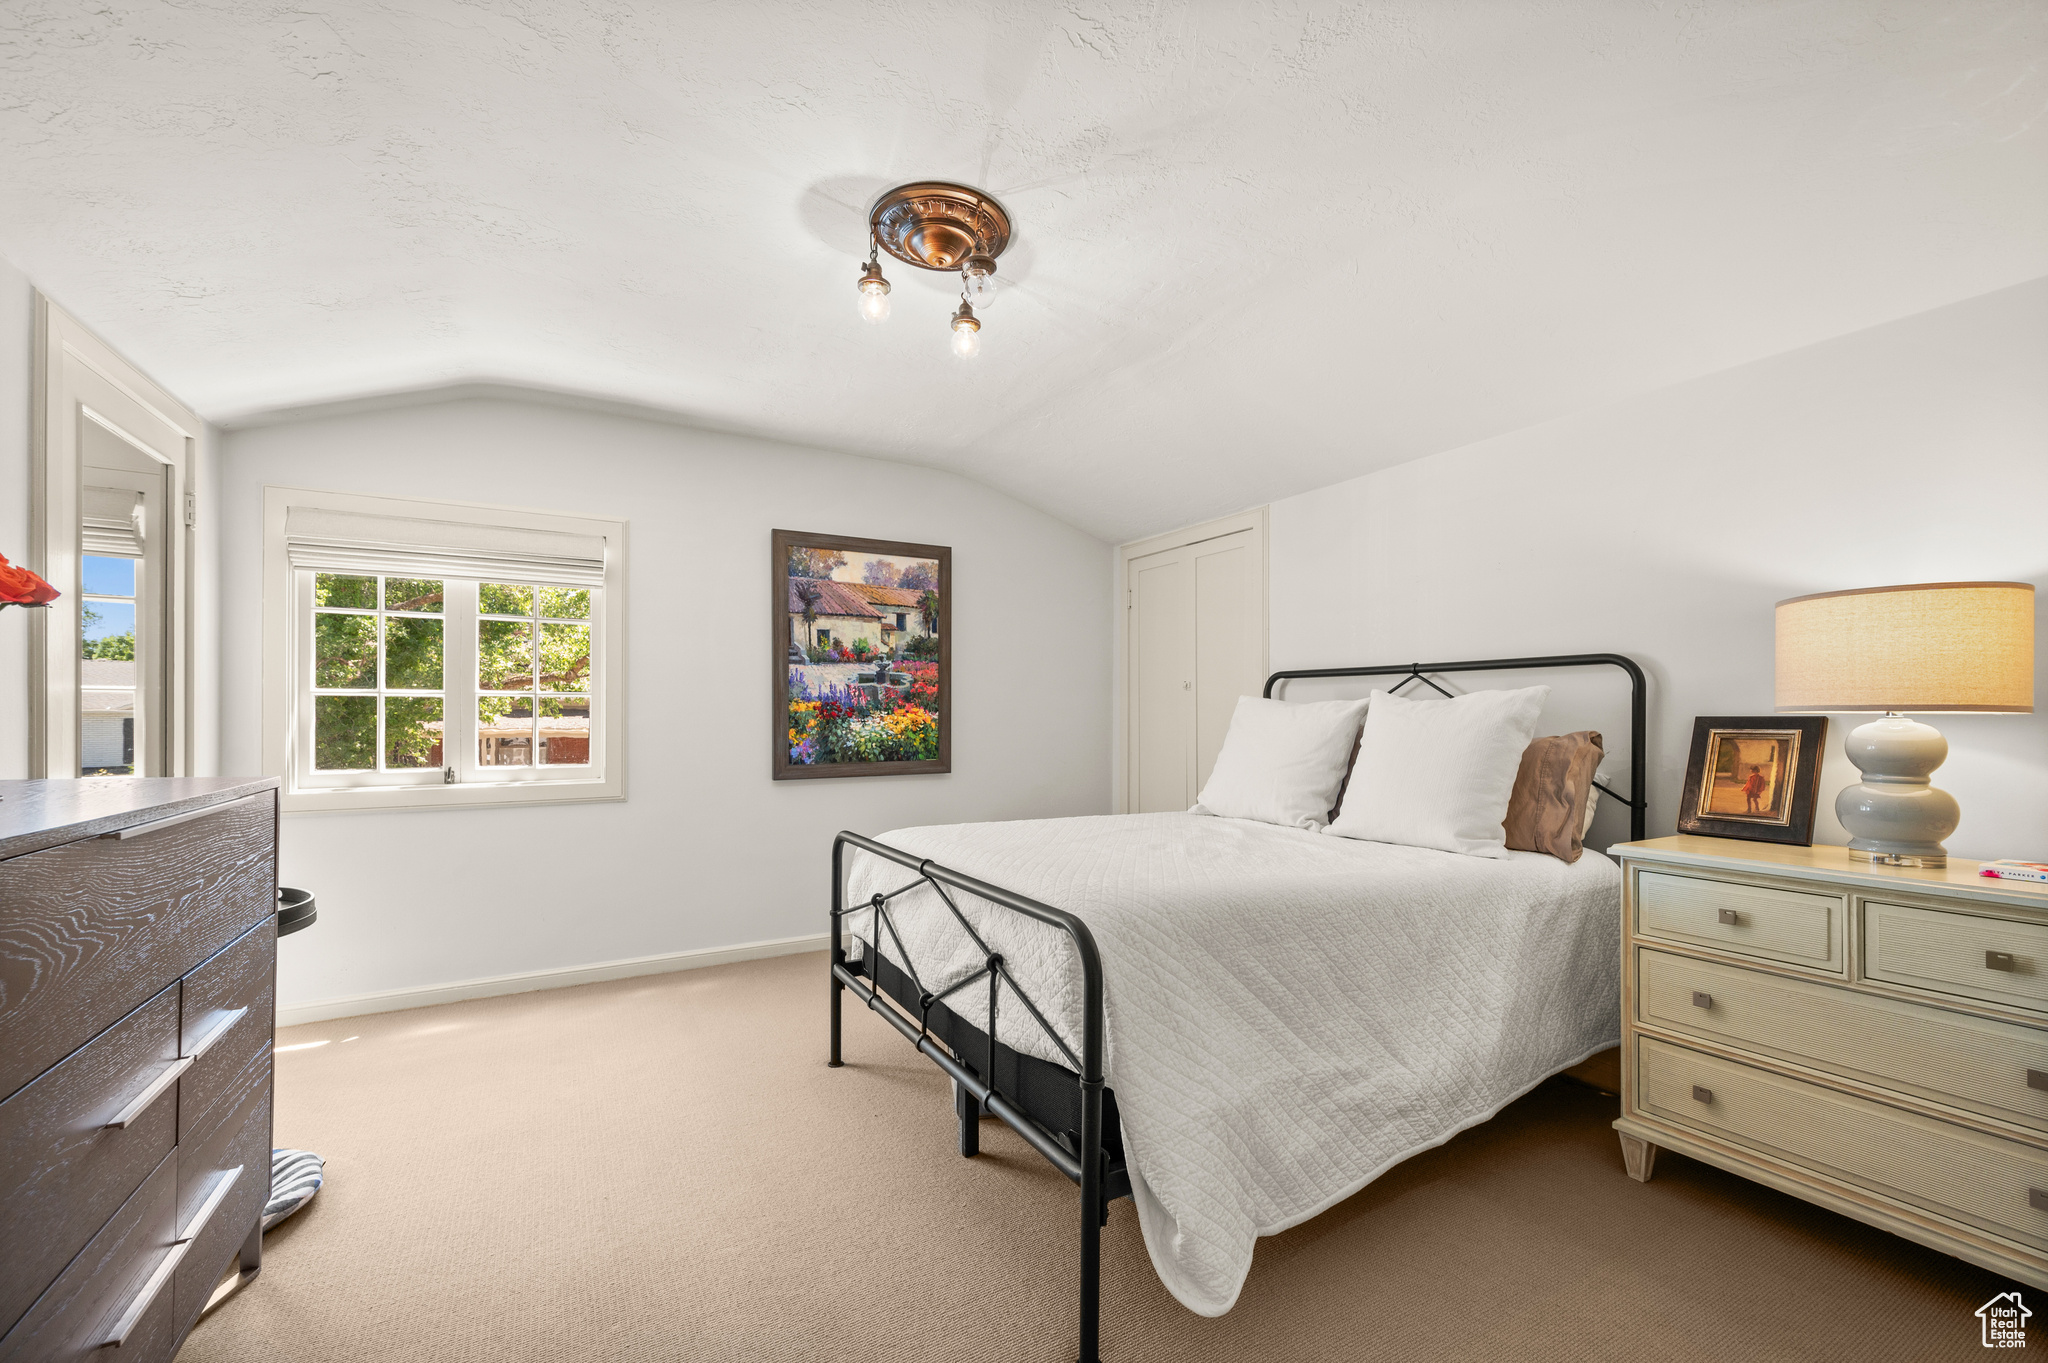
<point>706,851</point>
<point>17,333</point>
<point>1666,527</point>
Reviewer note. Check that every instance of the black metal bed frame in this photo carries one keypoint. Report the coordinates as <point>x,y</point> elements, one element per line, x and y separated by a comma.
<point>1066,1114</point>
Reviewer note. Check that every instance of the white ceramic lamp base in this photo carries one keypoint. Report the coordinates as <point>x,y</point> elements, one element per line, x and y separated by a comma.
<point>1896,815</point>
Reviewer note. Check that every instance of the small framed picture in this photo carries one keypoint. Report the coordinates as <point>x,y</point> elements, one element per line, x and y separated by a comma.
<point>1754,778</point>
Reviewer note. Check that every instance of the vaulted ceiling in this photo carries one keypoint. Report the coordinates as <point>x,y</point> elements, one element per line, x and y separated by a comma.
<point>1260,246</point>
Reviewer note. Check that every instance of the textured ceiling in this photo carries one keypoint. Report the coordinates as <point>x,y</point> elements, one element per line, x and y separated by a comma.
<point>1261,246</point>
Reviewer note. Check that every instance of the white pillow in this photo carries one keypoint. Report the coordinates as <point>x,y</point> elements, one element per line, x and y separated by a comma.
<point>1282,763</point>
<point>1438,773</point>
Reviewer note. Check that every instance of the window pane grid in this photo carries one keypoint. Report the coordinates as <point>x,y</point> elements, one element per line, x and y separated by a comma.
<point>396,704</point>
<point>533,716</point>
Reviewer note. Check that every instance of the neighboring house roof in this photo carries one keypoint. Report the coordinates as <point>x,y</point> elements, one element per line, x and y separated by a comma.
<point>834,598</point>
<point>106,686</point>
<point>897,598</point>
<point>106,672</point>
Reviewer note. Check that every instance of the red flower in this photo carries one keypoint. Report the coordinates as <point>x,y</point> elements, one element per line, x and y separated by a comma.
<point>20,587</point>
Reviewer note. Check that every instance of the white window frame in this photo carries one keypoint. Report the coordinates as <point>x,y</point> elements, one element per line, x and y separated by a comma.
<point>287,672</point>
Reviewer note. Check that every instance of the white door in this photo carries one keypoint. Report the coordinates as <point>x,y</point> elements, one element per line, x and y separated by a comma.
<point>109,442</point>
<point>1162,682</point>
<point>1197,641</point>
<point>1230,639</point>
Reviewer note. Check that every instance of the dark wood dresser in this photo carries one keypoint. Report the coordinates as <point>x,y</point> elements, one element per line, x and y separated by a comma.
<point>138,952</point>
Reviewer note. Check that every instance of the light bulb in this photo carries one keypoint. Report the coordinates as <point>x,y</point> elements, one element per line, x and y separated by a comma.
<point>966,332</point>
<point>874,293</point>
<point>978,280</point>
<point>874,303</point>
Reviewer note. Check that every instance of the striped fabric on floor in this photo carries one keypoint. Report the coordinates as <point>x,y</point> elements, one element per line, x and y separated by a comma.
<point>295,1175</point>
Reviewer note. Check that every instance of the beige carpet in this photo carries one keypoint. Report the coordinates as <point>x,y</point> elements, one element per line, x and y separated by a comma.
<point>663,1168</point>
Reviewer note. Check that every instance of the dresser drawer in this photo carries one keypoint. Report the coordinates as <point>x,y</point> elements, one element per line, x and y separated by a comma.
<point>222,1186</point>
<point>1794,926</point>
<point>1946,1057</point>
<point>1965,1176</point>
<point>91,928</point>
<point>1961,955</point>
<point>228,1022</point>
<point>63,1170</point>
<point>121,1278</point>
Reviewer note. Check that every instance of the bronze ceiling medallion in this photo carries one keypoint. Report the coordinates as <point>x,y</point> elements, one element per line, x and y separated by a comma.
<point>935,225</point>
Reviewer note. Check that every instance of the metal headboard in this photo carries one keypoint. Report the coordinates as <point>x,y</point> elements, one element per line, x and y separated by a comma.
<point>1637,799</point>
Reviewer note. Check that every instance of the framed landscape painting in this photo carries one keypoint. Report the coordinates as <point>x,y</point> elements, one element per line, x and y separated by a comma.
<point>863,656</point>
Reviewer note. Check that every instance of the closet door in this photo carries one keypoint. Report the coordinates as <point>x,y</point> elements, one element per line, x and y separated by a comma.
<point>1196,642</point>
<point>1229,640</point>
<point>1162,681</point>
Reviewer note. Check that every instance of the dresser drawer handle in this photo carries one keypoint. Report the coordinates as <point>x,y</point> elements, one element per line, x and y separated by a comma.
<point>1702,1095</point>
<point>219,1030</point>
<point>1702,1000</point>
<point>2037,1199</point>
<point>143,830</point>
<point>1731,917</point>
<point>139,1104</point>
<point>125,1325</point>
<point>2037,1080</point>
<point>2000,960</point>
<point>154,1286</point>
<point>214,1197</point>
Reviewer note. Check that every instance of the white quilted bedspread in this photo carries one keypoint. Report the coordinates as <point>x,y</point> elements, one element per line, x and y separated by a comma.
<point>1289,1014</point>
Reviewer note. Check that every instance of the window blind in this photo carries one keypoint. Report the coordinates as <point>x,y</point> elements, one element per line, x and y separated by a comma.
<point>110,522</point>
<point>356,542</point>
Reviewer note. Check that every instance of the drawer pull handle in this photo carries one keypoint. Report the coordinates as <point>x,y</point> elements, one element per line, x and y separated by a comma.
<point>1702,1095</point>
<point>2000,960</point>
<point>214,1197</point>
<point>219,1030</point>
<point>2037,1199</point>
<point>153,1287</point>
<point>143,830</point>
<point>1702,1000</point>
<point>1731,917</point>
<point>139,1104</point>
<point>2037,1080</point>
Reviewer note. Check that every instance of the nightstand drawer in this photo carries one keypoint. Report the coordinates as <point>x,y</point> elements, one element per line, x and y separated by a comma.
<point>1961,955</point>
<point>1750,920</point>
<point>1965,1176</point>
<point>1946,1057</point>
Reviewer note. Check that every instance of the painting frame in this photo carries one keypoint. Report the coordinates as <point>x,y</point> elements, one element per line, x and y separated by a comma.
<point>781,542</point>
<point>1777,800</point>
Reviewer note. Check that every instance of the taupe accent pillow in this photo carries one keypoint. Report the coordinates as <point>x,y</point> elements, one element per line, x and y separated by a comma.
<point>1547,812</point>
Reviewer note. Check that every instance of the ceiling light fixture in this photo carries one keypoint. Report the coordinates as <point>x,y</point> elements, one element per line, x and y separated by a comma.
<point>937,225</point>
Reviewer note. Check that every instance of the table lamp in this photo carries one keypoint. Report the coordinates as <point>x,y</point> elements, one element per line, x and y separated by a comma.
<point>1931,647</point>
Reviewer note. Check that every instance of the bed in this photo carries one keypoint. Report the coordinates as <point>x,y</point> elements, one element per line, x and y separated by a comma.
<point>1233,1023</point>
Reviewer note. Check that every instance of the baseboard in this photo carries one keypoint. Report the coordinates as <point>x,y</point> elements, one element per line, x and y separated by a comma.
<point>392,1000</point>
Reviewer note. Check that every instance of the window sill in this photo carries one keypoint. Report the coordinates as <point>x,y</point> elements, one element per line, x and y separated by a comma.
<point>465,795</point>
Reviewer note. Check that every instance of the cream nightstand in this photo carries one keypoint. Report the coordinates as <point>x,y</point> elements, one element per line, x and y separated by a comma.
<point>1870,1038</point>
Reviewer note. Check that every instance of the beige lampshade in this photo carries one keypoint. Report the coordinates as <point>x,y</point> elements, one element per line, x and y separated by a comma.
<point>1932,646</point>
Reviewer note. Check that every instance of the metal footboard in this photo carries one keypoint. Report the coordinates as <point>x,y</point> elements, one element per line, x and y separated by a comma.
<point>1079,1154</point>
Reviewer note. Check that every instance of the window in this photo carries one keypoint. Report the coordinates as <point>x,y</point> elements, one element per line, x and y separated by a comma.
<point>106,667</point>
<point>428,653</point>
